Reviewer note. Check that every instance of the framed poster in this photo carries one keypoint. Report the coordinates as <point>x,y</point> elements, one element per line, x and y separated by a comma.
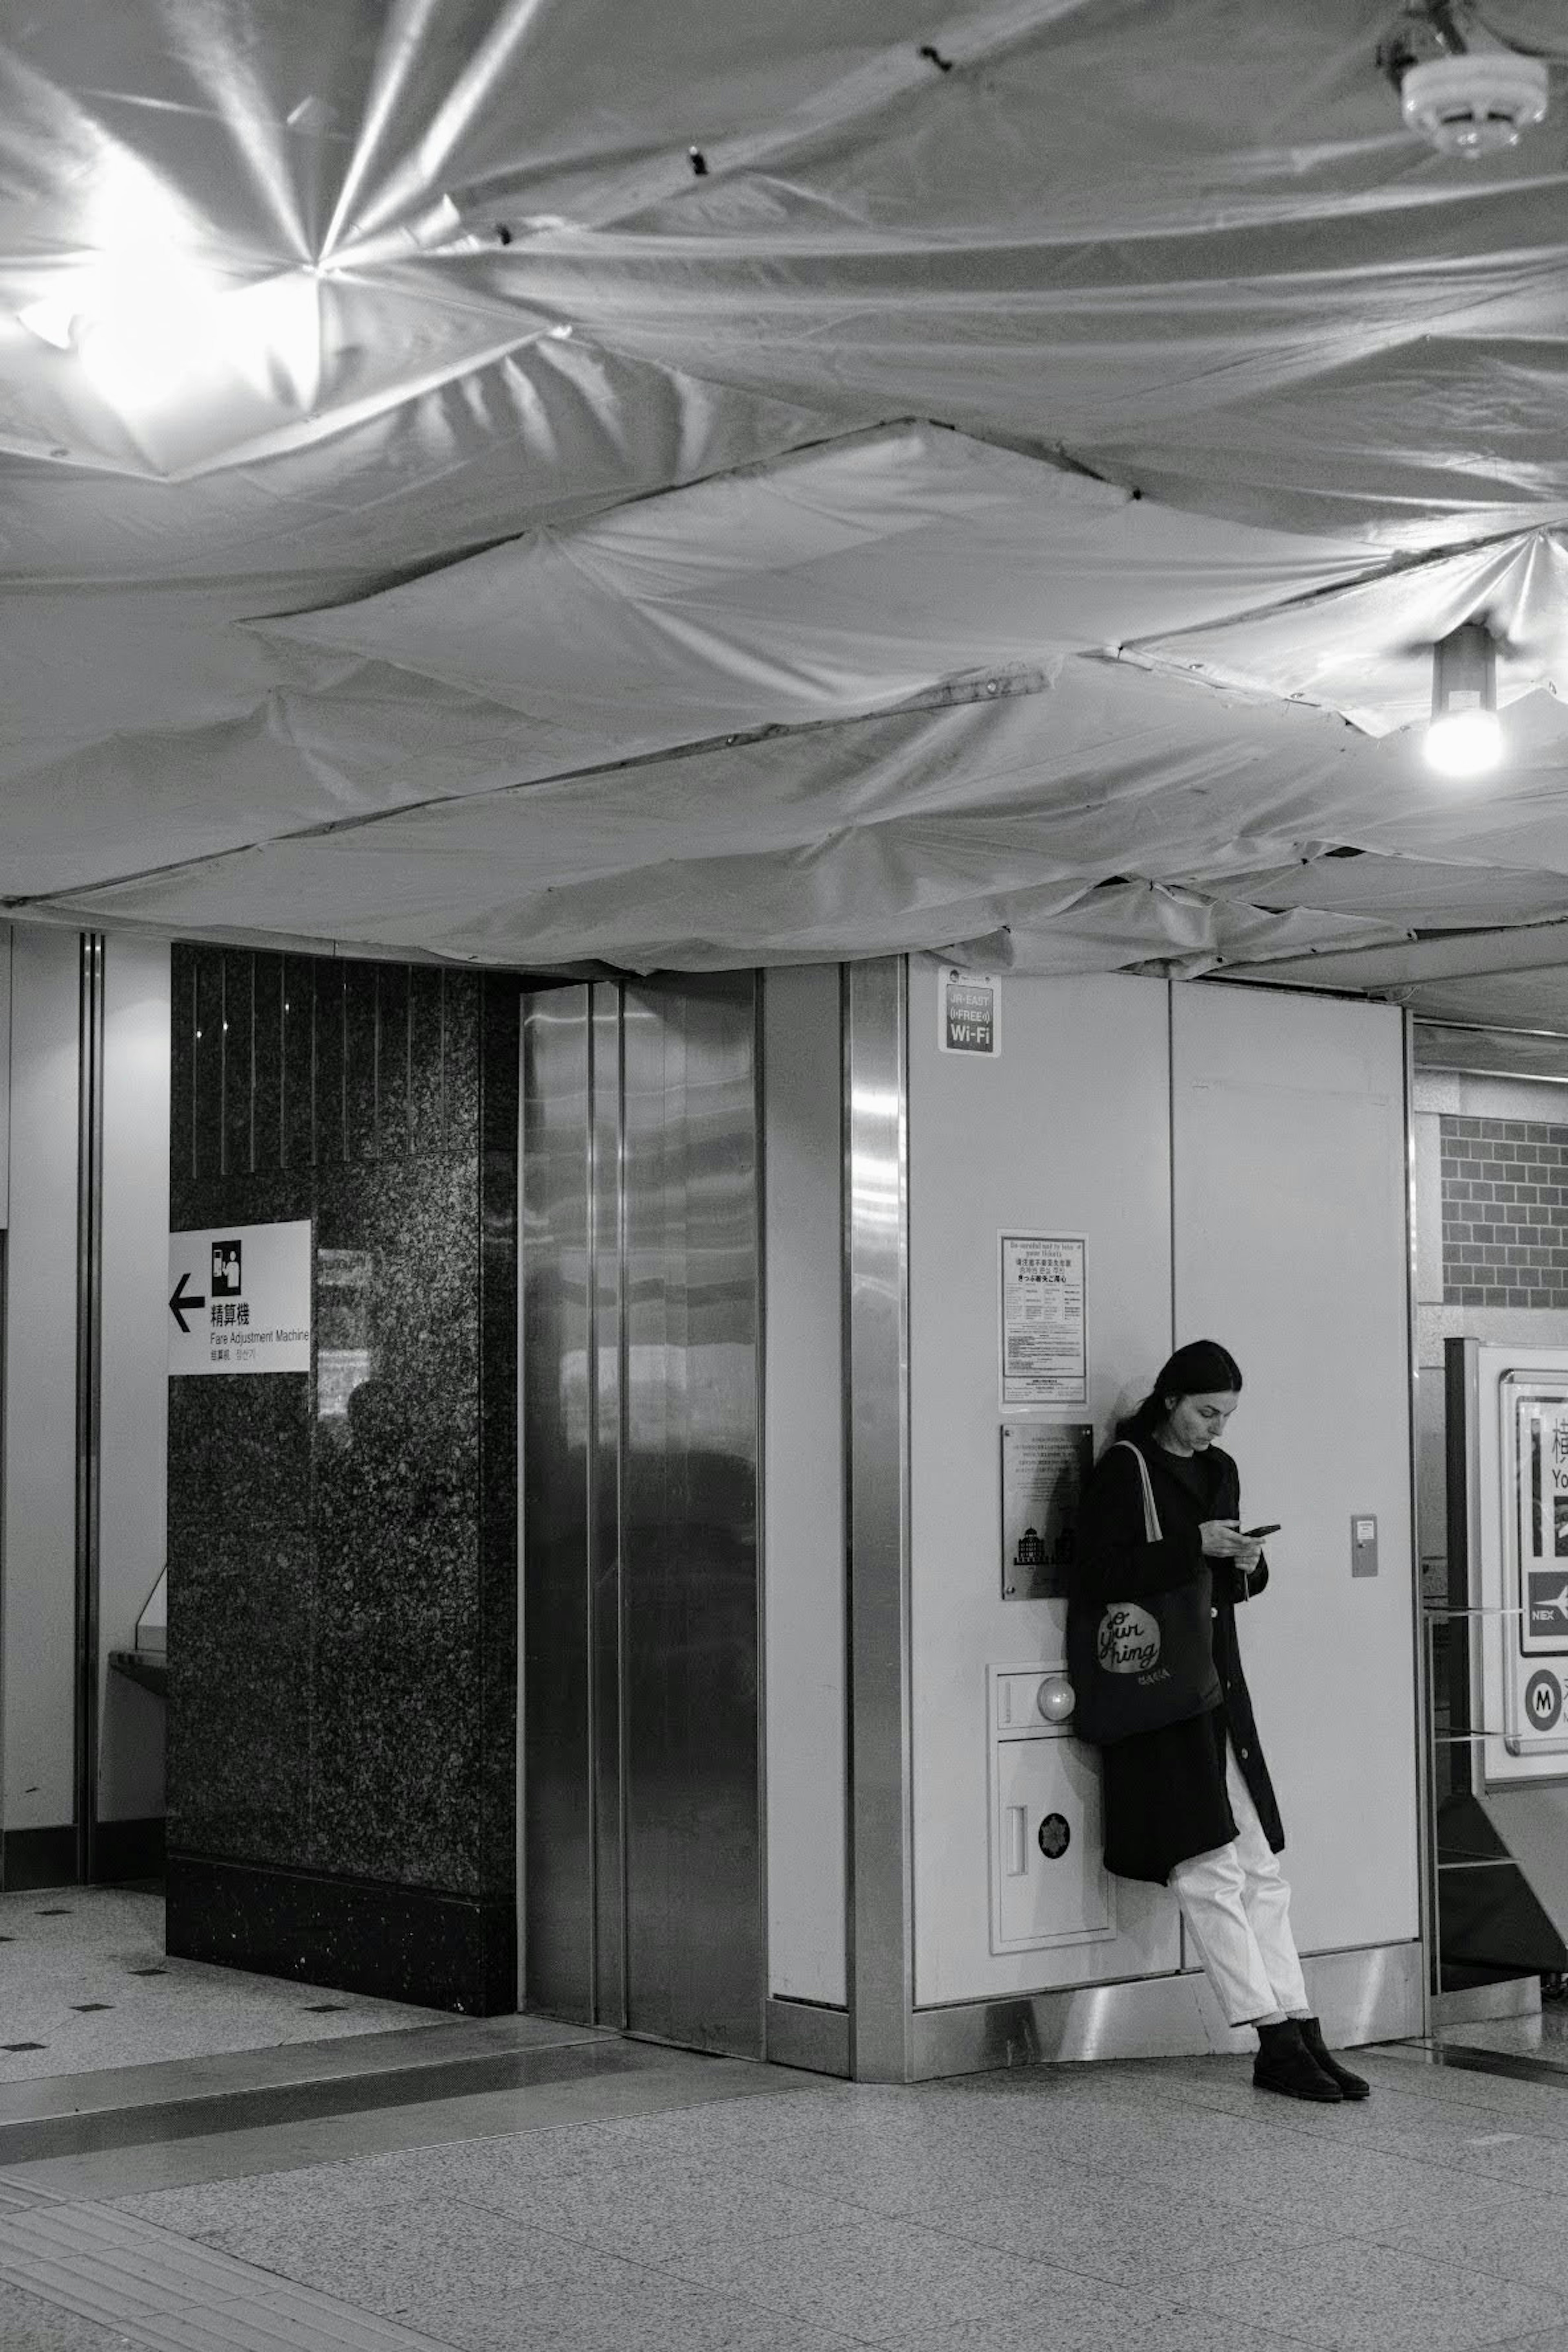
<point>1044,1343</point>
<point>1534,1464</point>
<point>1044,1465</point>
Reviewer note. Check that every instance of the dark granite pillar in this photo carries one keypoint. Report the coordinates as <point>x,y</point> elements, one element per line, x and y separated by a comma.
<point>342,1548</point>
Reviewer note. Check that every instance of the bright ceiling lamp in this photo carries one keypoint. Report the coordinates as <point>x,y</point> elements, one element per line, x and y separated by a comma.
<point>147,318</point>
<point>1465,737</point>
<point>134,303</point>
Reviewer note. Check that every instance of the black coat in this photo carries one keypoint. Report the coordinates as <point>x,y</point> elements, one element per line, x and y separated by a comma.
<point>1164,1790</point>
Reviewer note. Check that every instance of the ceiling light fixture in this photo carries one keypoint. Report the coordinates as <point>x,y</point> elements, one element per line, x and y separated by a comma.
<point>1460,86</point>
<point>1465,737</point>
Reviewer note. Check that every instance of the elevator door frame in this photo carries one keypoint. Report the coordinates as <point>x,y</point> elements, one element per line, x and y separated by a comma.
<point>642,1876</point>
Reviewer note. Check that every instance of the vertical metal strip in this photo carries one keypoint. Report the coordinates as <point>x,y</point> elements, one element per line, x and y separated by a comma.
<point>1186,1958</point>
<point>760,1327</point>
<point>88,1392</point>
<point>607,1701</point>
<point>880,1872</point>
<point>1170,1142</point>
<point>1426,1788</point>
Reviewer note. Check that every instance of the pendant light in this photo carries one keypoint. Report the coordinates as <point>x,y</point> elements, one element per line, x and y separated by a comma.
<point>1464,737</point>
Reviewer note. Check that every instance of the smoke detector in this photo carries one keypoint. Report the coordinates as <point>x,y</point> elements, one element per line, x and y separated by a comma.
<point>1467,88</point>
<point>1477,103</point>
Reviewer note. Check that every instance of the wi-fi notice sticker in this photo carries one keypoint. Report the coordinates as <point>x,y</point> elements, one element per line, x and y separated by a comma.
<point>969,1013</point>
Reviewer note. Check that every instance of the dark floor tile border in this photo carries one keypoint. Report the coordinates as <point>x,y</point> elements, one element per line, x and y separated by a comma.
<point>395,1943</point>
<point>124,1851</point>
<point>147,2124</point>
<point>1511,2063</point>
<point>280,2065</point>
<point>37,1858</point>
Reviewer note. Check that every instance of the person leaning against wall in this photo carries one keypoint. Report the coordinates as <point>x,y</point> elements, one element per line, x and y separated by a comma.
<point>1162,1564</point>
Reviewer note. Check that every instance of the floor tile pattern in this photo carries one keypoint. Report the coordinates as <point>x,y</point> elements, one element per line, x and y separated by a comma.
<point>692,2205</point>
<point>1151,2207</point>
<point>85,1982</point>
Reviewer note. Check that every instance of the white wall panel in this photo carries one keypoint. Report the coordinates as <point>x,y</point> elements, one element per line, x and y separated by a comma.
<point>803,1491</point>
<point>1290,1188</point>
<point>1068,1132</point>
<point>5,1073</point>
<point>134,1439</point>
<point>39,1620</point>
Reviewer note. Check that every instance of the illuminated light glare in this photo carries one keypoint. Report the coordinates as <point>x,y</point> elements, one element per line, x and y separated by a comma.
<point>139,333</point>
<point>52,320</point>
<point>1464,743</point>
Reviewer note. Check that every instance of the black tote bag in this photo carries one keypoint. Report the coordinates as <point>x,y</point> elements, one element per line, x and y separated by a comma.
<point>1138,1665</point>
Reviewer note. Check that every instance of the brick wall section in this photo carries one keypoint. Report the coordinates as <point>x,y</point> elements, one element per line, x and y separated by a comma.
<point>1505,1212</point>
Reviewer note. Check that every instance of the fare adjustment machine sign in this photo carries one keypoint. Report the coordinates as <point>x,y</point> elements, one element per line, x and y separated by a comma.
<point>240,1299</point>
<point>1535,1503</point>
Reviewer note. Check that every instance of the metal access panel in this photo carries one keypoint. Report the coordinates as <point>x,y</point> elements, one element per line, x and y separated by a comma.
<point>1049,1883</point>
<point>642,1861</point>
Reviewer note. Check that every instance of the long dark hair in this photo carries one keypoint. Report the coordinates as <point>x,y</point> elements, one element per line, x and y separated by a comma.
<point>1203,1368</point>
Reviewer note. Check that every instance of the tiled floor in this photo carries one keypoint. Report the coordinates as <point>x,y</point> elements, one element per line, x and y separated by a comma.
<point>668,2201</point>
<point>228,2164</point>
<point>85,1982</point>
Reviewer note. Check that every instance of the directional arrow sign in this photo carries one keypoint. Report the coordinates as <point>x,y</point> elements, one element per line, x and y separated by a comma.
<point>181,1299</point>
<point>240,1299</point>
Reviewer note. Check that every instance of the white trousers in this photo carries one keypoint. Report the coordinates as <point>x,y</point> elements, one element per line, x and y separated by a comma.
<point>1236,1904</point>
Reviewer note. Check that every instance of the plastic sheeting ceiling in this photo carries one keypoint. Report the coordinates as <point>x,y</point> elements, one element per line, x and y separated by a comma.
<point>549,481</point>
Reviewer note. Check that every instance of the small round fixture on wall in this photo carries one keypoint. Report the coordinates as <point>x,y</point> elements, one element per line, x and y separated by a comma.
<point>1056,1699</point>
<point>1465,735</point>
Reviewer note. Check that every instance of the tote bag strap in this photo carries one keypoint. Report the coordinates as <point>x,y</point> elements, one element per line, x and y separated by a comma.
<point>1152,1532</point>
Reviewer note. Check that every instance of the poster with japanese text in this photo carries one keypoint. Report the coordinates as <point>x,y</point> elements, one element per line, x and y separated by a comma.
<point>1045,1347</point>
<point>1542,1469</point>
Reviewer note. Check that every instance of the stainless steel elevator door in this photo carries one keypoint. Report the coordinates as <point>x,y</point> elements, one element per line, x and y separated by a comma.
<point>643,1863</point>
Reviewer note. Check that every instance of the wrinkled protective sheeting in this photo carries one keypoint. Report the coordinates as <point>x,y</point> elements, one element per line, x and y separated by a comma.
<point>839,581</point>
<point>922,828</point>
<point>1367,650</point>
<point>1191,239</point>
<point>1183,245</point>
<point>539,437</point>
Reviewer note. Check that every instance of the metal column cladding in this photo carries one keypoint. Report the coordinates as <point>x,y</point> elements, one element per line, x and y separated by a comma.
<point>559,1844</point>
<point>881,1927</point>
<point>642,1775</point>
<point>88,1395</point>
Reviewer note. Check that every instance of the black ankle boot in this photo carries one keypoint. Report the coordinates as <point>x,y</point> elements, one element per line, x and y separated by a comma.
<point>1285,2063</point>
<point>1351,2086</point>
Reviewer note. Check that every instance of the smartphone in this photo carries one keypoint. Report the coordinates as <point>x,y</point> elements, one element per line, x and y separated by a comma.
<point>1252,1534</point>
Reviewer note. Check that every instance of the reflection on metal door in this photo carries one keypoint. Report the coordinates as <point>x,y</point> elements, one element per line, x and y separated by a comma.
<point>642,1865</point>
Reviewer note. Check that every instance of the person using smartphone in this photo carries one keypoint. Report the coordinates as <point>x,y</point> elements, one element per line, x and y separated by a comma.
<point>1191,1804</point>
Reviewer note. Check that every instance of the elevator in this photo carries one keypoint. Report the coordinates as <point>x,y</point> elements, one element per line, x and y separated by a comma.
<point>642,1869</point>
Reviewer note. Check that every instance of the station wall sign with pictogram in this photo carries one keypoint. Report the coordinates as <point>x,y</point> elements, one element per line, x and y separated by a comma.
<point>240,1299</point>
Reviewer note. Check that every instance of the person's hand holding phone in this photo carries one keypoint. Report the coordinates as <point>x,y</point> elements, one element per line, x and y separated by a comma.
<point>1223,1540</point>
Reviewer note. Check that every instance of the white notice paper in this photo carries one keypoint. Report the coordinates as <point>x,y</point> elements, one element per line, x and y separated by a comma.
<point>240,1299</point>
<point>1044,1355</point>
